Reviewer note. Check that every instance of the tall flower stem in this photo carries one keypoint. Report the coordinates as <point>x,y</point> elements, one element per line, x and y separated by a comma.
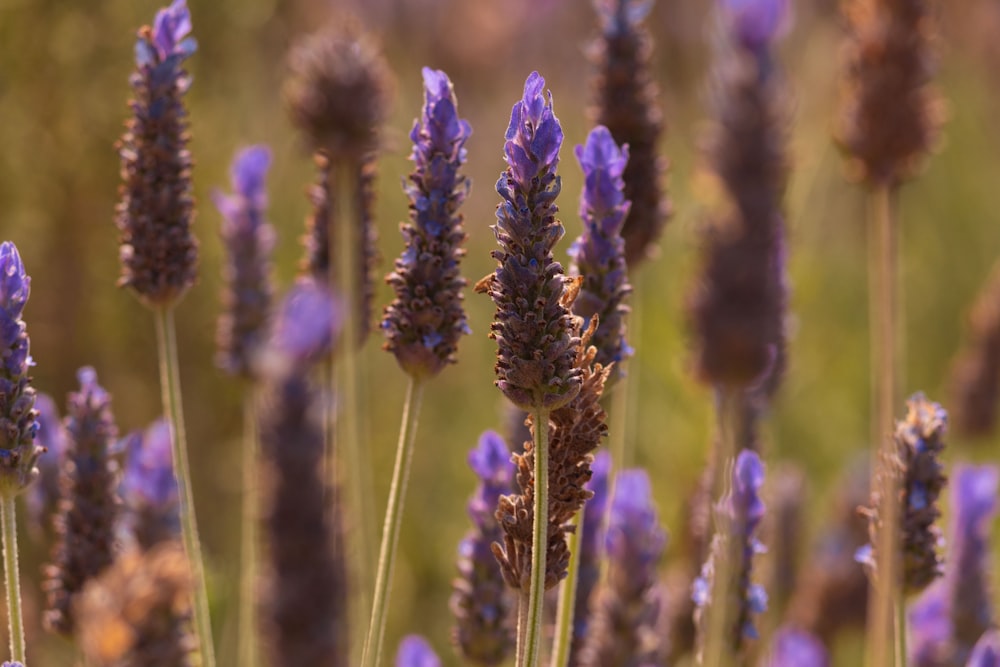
<point>393,521</point>
<point>12,577</point>
<point>247,654</point>
<point>170,386</point>
<point>883,318</point>
<point>539,542</point>
<point>563,641</point>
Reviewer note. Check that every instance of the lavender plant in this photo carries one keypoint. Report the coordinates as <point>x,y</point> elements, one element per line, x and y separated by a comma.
<point>158,251</point>
<point>43,496</point>
<point>975,372</point>
<point>19,420</point>
<point>148,489</point>
<point>794,648</point>
<point>987,651</point>
<point>480,601</point>
<point>414,651</point>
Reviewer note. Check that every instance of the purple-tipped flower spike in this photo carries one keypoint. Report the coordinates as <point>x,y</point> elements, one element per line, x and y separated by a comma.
<point>739,516</point>
<point>623,625</point>
<point>89,506</point>
<point>916,468</point>
<point>755,24</point>
<point>626,103</point>
<point>533,327</point>
<point>307,597</point>
<point>795,648</point>
<point>12,664</point>
<point>426,319</point>
<point>18,417</point>
<point>599,253</point>
<point>480,601</point>
<point>149,489</point>
<point>249,242</point>
<point>414,651</point>
<point>591,555</point>
<point>987,652</point>
<point>158,252</point>
<point>42,497</point>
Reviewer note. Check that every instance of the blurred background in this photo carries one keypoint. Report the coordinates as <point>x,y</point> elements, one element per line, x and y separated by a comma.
<point>63,89</point>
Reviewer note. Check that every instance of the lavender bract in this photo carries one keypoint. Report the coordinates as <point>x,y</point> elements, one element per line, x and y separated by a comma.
<point>482,605</point>
<point>987,651</point>
<point>414,651</point>
<point>158,252</point>
<point>599,253</point>
<point>149,489</point>
<point>795,648</point>
<point>249,241</point>
<point>426,319</point>
<point>303,325</point>
<point>536,349</point>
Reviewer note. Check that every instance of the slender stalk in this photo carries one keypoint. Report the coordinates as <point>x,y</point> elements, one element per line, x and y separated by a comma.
<point>563,641</point>
<point>522,625</point>
<point>166,338</point>
<point>247,651</point>
<point>393,521</point>
<point>536,593</point>
<point>12,577</point>
<point>901,655</point>
<point>887,592</point>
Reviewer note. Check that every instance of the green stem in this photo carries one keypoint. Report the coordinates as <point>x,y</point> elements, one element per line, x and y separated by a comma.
<point>901,655</point>
<point>166,338</point>
<point>539,543</point>
<point>247,654</point>
<point>522,626</point>
<point>563,642</point>
<point>883,301</point>
<point>12,577</point>
<point>393,521</point>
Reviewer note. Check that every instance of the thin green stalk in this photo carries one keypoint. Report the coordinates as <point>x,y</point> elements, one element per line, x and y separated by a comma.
<point>393,521</point>
<point>901,655</point>
<point>883,317</point>
<point>563,641</point>
<point>13,578</point>
<point>166,338</point>
<point>522,625</point>
<point>247,652</point>
<point>536,593</point>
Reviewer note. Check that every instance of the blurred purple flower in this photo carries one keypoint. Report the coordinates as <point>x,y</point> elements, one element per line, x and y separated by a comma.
<point>756,23</point>
<point>414,651</point>
<point>303,328</point>
<point>41,497</point>
<point>591,549</point>
<point>149,488</point>
<point>796,648</point>
<point>618,16</point>
<point>987,651</point>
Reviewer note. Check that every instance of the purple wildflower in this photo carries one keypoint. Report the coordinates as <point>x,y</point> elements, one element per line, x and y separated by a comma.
<point>987,651</point>
<point>755,24</point>
<point>740,515</point>
<point>480,600</point>
<point>599,253</point>
<point>249,242</point>
<point>426,319</point>
<point>302,329</point>
<point>414,651</point>
<point>149,488</point>
<point>623,628</point>
<point>89,506</point>
<point>42,497</point>
<point>18,417</point>
<point>536,349</point>
<point>796,648</point>
<point>158,252</point>
<point>591,550</point>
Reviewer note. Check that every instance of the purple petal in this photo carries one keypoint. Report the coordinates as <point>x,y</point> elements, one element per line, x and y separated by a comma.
<point>414,651</point>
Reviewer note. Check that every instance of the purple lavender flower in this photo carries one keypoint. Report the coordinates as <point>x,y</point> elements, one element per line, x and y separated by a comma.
<point>12,664</point>
<point>740,515</point>
<point>623,627</point>
<point>42,497</point>
<point>414,651</point>
<point>18,417</point>
<point>795,648</point>
<point>302,330</point>
<point>158,252</point>
<point>249,242</point>
<point>426,319</point>
<point>591,554</point>
<point>536,349</point>
<point>149,488</point>
<point>599,253</point>
<point>987,651</point>
<point>89,507</point>
<point>755,24</point>
<point>480,601</point>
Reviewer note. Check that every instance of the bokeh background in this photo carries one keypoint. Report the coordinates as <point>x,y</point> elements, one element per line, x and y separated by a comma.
<point>63,88</point>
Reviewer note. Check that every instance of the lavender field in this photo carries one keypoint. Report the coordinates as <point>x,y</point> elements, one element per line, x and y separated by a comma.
<point>800,261</point>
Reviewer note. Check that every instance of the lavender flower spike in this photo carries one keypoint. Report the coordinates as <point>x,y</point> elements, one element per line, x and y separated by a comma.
<point>795,648</point>
<point>158,252</point>
<point>599,253</point>
<point>249,242</point>
<point>426,319</point>
<point>974,503</point>
<point>536,349</point>
<point>740,515</point>
<point>591,550</point>
<point>149,488</point>
<point>42,497</point>
<point>623,630</point>
<point>414,651</point>
<point>480,601</point>
<point>18,418</point>
<point>302,330</point>
<point>987,652</point>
